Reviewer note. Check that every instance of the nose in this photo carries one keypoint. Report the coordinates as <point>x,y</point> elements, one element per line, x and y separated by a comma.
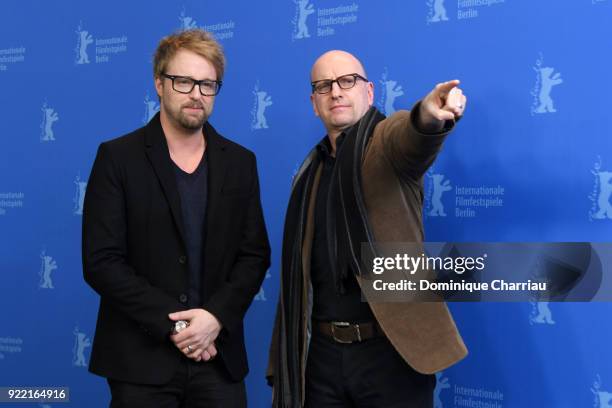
<point>336,91</point>
<point>195,92</point>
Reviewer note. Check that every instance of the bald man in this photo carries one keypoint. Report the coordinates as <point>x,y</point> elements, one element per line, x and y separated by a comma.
<point>363,183</point>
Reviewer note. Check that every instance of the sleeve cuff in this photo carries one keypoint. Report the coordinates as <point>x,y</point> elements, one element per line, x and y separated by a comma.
<point>448,125</point>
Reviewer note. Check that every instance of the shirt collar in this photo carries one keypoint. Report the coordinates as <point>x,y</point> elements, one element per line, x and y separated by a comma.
<point>324,147</point>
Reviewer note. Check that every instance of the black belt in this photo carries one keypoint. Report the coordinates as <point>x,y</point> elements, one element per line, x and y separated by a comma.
<point>346,333</point>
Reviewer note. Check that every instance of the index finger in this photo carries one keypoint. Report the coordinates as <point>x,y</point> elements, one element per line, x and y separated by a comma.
<point>445,87</point>
<point>182,336</point>
<point>181,315</point>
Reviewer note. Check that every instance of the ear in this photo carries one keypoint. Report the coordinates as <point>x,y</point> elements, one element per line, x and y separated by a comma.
<point>370,93</point>
<point>314,104</point>
<point>159,86</point>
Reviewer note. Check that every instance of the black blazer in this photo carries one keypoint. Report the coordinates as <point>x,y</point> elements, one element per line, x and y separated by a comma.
<point>134,252</point>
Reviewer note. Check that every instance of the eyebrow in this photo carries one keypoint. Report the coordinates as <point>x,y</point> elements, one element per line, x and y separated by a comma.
<point>339,76</point>
<point>190,77</point>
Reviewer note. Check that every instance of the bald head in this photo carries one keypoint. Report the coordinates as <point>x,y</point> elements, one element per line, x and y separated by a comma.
<point>341,104</point>
<point>338,62</point>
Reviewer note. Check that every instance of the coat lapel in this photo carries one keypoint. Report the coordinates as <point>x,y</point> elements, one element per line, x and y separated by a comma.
<point>218,164</point>
<point>156,149</point>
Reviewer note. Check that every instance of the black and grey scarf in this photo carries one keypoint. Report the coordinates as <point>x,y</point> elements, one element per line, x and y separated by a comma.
<point>347,229</point>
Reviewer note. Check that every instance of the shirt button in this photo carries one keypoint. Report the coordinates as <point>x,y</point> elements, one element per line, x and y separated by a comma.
<point>182,259</point>
<point>183,298</point>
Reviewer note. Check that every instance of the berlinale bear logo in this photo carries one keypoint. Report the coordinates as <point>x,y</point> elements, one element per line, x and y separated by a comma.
<point>303,9</point>
<point>440,186</point>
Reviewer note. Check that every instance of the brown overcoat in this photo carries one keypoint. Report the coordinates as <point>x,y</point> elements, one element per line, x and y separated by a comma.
<point>395,160</point>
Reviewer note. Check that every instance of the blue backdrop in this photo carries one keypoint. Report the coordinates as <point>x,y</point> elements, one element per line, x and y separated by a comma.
<point>531,161</point>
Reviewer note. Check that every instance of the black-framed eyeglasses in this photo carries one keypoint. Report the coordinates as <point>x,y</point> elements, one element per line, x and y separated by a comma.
<point>185,85</point>
<point>344,82</point>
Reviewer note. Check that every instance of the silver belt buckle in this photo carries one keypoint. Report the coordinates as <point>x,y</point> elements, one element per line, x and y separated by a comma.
<point>344,324</point>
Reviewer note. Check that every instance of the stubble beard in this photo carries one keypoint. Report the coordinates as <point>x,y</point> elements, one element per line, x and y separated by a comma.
<point>189,121</point>
<point>192,122</point>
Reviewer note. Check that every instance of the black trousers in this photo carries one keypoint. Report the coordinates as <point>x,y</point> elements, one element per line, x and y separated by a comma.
<point>195,385</point>
<point>370,374</point>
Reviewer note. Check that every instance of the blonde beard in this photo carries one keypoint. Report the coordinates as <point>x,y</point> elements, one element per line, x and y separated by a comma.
<point>191,123</point>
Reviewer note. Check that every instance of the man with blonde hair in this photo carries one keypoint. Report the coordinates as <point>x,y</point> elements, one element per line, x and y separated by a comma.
<point>175,244</point>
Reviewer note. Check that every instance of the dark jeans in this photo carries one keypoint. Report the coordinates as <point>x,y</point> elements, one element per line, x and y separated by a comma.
<point>195,385</point>
<point>367,374</point>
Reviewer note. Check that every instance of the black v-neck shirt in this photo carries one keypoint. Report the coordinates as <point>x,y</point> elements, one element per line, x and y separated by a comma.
<point>193,192</point>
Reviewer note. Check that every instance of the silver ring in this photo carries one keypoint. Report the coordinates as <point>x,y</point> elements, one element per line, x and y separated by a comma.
<point>460,106</point>
<point>190,348</point>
